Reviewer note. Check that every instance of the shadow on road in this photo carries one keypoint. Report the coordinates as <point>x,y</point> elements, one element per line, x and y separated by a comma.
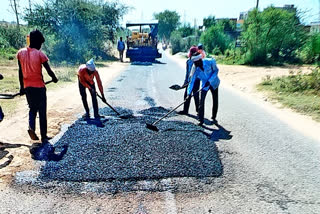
<point>4,154</point>
<point>217,134</point>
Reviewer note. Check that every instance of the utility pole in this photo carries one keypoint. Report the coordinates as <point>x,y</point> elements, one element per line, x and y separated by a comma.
<point>257,4</point>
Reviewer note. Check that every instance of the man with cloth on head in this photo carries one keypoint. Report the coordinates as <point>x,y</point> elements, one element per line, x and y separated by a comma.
<point>30,61</point>
<point>207,71</point>
<point>86,74</point>
<point>196,85</point>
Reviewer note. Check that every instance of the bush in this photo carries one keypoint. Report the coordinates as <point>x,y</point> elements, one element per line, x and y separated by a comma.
<point>176,40</point>
<point>12,37</point>
<point>296,82</point>
<point>214,39</point>
<point>310,52</point>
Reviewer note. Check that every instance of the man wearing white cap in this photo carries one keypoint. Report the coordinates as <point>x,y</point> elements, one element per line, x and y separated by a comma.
<point>207,71</point>
<point>86,74</point>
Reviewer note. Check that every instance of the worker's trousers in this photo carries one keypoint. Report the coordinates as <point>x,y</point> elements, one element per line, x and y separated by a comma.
<point>121,55</point>
<point>83,94</point>
<point>37,101</point>
<point>215,103</point>
<point>186,105</point>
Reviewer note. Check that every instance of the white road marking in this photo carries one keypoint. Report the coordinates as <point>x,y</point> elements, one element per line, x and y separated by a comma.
<point>170,201</point>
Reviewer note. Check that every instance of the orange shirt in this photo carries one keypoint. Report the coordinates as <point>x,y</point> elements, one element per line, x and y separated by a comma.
<point>31,61</point>
<point>85,78</point>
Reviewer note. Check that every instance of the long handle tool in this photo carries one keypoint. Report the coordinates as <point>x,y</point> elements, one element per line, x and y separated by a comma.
<point>11,96</point>
<point>121,116</point>
<point>154,128</point>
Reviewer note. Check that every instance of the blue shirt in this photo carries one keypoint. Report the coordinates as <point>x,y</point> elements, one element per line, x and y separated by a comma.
<point>210,74</point>
<point>120,45</point>
<point>188,69</point>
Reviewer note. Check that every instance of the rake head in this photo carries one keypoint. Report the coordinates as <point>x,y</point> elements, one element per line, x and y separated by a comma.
<point>152,127</point>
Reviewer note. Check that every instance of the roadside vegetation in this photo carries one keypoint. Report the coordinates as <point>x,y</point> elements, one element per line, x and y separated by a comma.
<point>297,91</point>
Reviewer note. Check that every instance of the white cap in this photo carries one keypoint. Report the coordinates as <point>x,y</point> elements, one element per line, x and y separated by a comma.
<point>90,65</point>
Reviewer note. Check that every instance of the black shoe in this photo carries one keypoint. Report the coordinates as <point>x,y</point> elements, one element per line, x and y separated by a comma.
<point>182,113</point>
<point>214,120</point>
<point>86,117</point>
<point>45,139</point>
<point>200,123</point>
<point>99,117</point>
<point>32,135</point>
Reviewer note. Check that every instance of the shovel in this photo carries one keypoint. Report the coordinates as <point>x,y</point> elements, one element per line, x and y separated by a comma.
<point>178,87</point>
<point>11,96</point>
<point>121,116</point>
<point>154,128</point>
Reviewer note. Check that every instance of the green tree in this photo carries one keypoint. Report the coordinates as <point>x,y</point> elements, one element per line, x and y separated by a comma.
<point>186,30</point>
<point>214,39</point>
<point>168,22</point>
<point>209,21</point>
<point>76,29</point>
<point>272,35</point>
<point>227,24</point>
<point>176,42</point>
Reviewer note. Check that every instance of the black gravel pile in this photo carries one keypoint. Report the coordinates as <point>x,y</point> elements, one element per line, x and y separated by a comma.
<point>124,149</point>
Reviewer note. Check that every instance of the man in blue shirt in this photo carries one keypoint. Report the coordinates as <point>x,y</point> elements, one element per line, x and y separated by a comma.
<point>207,71</point>
<point>120,48</point>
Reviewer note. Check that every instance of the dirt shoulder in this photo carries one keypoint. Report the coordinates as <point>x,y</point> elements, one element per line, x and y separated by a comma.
<point>63,107</point>
<point>243,80</point>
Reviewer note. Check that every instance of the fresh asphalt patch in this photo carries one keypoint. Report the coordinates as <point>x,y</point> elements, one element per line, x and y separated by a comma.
<point>126,150</point>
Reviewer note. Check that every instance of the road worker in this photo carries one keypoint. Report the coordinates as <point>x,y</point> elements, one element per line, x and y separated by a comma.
<point>86,73</point>
<point>196,85</point>
<point>207,71</point>
<point>30,61</point>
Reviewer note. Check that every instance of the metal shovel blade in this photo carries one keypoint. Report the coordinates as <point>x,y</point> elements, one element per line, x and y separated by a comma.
<point>152,127</point>
<point>175,87</point>
<point>126,116</point>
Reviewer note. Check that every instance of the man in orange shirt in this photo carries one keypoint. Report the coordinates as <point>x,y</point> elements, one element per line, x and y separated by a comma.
<point>86,74</point>
<point>30,61</point>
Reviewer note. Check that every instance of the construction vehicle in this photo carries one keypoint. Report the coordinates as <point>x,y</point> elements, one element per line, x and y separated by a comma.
<point>143,41</point>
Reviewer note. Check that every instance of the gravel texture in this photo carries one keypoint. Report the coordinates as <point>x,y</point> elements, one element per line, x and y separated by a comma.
<point>125,150</point>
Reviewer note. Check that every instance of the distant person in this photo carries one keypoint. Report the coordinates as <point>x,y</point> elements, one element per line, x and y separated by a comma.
<point>1,112</point>
<point>201,51</point>
<point>30,61</point>
<point>207,71</point>
<point>86,73</point>
<point>196,85</point>
<point>121,47</point>
<point>153,34</point>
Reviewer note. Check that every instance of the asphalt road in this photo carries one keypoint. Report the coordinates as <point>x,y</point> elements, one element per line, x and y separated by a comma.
<point>267,167</point>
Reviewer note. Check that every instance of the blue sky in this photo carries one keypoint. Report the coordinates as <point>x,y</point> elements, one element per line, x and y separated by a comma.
<point>191,10</point>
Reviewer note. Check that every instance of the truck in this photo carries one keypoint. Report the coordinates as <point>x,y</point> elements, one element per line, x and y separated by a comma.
<point>142,41</point>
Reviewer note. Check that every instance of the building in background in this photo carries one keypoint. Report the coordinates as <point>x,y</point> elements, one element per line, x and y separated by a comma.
<point>315,27</point>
